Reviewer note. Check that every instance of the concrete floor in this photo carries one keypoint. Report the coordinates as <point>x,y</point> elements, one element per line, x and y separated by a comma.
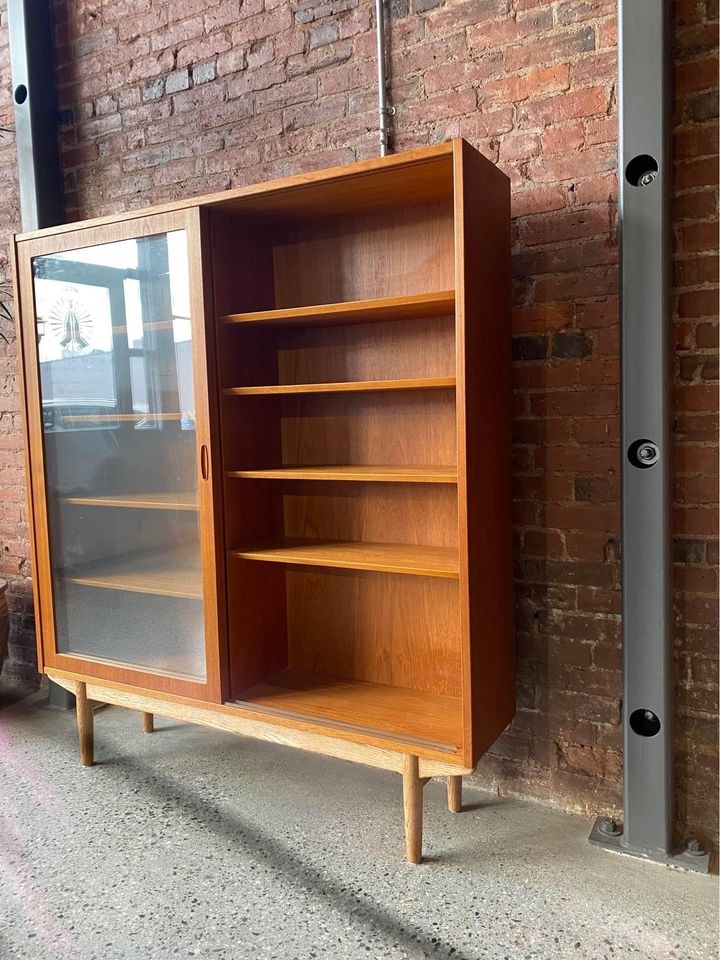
<point>191,843</point>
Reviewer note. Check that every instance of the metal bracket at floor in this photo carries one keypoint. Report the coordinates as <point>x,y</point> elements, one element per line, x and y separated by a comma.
<point>608,835</point>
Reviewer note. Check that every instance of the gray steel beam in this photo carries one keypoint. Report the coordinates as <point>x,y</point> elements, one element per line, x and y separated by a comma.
<point>644,175</point>
<point>32,63</point>
<point>384,111</point>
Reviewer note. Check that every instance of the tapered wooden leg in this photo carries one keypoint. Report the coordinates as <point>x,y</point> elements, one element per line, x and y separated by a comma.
<point>85,725</point>
<point>147,722</point>
<point>454,789</point>
<point>413,806</point>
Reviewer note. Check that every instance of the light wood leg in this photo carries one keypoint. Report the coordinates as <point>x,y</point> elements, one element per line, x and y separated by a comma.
<point>148,724</point>
<point>454,790</point>
<point>413,807</point>
<point>85,725</point>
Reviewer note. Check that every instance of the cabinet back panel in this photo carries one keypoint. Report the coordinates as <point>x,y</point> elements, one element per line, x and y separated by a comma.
<point>376,627</point>
<point>420,514</point>
<point>119,462</point>
<point>251,433</point>
<point>417,428</point>
<point>124,459</point>
<point>378,351</point>
<point>247,357</point>
<point>85,534</point>
<point>115,626</point>
<point>383,253</point>
<point>242,264</point>
<point>256,622</point>
<point>253,512</point>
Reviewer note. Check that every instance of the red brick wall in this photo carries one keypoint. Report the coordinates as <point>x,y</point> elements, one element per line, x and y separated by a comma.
<point>695,332</point>
<point>178,98</point>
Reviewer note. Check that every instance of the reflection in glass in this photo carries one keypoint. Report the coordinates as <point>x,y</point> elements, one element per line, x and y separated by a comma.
<point>116,376</point>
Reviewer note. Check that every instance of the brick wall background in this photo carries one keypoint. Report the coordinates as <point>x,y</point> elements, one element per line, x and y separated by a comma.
<point>171,98</point>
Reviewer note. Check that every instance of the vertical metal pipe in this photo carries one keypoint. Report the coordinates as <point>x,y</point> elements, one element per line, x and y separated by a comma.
<point>383,109</point>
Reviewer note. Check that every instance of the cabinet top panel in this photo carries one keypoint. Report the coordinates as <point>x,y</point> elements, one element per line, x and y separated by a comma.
<point>415,175</point>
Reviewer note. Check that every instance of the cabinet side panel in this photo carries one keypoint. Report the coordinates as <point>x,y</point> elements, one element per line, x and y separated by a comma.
<point>482,211</point>
<point>21,361</point>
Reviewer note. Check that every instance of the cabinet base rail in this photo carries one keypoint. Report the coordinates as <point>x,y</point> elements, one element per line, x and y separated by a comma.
<point>415,771</point>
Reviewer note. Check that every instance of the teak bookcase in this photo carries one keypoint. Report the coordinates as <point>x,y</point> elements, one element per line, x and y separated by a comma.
<point>268,449</point>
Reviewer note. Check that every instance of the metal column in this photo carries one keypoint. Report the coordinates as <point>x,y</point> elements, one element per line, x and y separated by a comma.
<point>32,63</point>
<point>35,101</point>
<point>644,174</point>
<point>384,111</point>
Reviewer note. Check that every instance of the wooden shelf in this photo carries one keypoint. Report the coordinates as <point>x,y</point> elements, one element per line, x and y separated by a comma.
<point>413,716</point>
<point>383,474</point>
<point>80,417</point>
<point>419,561</point>
<point>141,501</point>
<point>355,386</point>
<point>159,574</point>
<point>355,311</point>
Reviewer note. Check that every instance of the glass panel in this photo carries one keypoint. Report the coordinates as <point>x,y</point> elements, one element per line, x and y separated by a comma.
<point>116,377</point>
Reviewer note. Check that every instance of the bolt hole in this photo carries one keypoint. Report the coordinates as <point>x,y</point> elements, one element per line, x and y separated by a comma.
<point>644,722</point>
<point>643,453</point>
<point>642,170</point>
<point>20,93</point>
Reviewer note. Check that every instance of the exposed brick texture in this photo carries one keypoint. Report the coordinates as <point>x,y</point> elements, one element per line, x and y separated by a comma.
<point>695,302</point>
<point>173,98</point>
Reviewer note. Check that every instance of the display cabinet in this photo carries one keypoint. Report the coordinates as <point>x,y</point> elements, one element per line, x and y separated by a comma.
<point>268,437</point>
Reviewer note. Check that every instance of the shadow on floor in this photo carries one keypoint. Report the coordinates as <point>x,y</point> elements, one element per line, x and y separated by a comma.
<point>250,841</point>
